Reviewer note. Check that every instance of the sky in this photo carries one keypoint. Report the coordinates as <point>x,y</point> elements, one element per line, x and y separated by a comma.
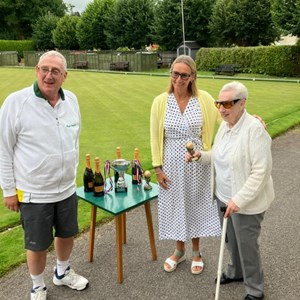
<point>79,4</point>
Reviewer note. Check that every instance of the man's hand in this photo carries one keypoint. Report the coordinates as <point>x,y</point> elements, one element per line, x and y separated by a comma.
<point>12,203</point>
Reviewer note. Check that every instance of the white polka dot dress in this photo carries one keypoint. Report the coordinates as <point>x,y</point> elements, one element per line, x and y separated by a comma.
<point>185,209</point>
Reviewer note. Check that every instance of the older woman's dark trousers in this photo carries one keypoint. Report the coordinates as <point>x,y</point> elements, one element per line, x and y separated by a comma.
<point>242,243</point>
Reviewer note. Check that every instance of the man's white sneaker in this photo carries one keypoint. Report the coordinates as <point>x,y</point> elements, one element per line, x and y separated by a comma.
<point>39,293</point>
<point>70,279</point>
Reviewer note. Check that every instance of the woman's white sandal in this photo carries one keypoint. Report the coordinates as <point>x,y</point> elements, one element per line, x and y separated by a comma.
<point>172,263</point>
<point>197,263</point>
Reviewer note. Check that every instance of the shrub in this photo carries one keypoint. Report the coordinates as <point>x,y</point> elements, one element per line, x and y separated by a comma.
<point>269,60</point>
<point>19,46</point>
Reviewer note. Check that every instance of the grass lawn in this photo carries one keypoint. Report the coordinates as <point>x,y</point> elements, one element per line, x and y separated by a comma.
<point>115,112</point>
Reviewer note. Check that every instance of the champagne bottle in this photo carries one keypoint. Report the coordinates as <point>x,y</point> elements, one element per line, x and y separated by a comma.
<point>88,175</point>
<point>98,180</point>
<point>136,169</point>
<point>118,155</point>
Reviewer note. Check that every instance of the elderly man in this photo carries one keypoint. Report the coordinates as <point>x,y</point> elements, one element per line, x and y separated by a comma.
<point>39,132</point>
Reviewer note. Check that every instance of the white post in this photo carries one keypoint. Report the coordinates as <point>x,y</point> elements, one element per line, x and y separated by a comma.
<point>183,34</point>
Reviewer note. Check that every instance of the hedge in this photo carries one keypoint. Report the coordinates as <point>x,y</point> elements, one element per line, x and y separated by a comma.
<point>268,60</point>
<point>19,46</point>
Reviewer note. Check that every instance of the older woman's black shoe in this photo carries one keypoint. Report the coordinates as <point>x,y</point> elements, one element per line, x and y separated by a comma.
<point>225,279</point>
<point>250,297</point>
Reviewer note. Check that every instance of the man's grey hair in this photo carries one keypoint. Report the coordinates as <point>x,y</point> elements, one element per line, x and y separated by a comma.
<point>54,53</point>
<point>240,91</point>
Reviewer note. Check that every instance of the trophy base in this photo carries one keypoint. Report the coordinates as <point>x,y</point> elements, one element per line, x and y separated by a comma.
<point>121,189</point>
<point>147,187</point>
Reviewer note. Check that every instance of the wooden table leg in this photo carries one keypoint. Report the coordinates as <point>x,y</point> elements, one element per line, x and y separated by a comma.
<point>123,215</point>
<point>92,233</point>
<point>150,230</point>
<point>119,246</point>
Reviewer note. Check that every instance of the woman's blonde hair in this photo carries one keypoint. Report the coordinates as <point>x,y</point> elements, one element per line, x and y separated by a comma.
<point>192,88</point>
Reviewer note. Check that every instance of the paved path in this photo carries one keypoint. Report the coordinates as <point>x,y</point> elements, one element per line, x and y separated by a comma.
<point>146,279</point>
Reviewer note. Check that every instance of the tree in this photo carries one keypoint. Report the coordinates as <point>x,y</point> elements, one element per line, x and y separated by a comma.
<point>243,23</point>
<point>42,31</point>
<point>64,35</point>
<point>90,28</point>
<point>296,29</point>
<point>197,14</point>
<point>167,26</point>
<point>129,24</point>
<point>168,22</point>
<point>17,17</point>
<point>286,15</point>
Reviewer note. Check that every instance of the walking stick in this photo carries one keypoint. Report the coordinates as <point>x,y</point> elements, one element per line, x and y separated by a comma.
<point>223,209</point>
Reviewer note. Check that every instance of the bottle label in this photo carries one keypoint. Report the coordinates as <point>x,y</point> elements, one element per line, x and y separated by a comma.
<point>99,189</point>
<point>90,184</point>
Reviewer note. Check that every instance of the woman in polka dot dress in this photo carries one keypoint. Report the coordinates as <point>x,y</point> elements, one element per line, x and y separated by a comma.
<point>185,208</point>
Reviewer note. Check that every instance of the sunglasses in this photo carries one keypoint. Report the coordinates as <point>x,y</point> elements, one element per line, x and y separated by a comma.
<point>226,104</point>
<point>183,76</point>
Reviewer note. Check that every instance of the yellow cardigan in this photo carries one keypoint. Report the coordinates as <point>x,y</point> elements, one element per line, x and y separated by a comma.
<point>211,118</point>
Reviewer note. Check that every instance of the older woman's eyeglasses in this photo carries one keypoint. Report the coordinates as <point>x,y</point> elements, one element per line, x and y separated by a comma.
<point>183,76</point>
<point>226,104</point>
<point>54,71</point>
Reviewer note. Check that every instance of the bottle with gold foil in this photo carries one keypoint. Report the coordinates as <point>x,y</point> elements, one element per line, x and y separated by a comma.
<point>98,180</point>
<point>88,175</point>
<point>136,169</point>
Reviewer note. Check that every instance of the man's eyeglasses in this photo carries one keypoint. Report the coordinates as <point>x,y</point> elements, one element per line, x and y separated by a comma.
<point>54,71</point>
<point>226,104</point>
<point>183,76</point>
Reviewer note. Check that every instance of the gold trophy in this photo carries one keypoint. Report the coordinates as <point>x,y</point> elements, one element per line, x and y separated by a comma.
<point>147,176</point>
<point>190,148</point>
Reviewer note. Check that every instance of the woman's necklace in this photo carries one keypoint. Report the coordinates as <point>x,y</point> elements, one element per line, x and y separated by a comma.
<point>182,98</point>
<point>182,102</point>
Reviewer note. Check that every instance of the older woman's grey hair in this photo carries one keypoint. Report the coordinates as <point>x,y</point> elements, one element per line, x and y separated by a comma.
<point>240,91</point>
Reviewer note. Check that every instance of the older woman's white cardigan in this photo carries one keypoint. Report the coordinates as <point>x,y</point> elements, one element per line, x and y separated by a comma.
<point>250,165</point>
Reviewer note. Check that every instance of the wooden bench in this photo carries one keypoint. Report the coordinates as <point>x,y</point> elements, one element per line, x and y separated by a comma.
<point>119,66</point>
<point>81,64</point>
<point>229,69</point>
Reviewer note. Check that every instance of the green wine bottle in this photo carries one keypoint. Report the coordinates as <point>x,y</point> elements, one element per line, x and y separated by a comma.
<point>98,180</point>
<point>136,170</point>
<point>88,175</point>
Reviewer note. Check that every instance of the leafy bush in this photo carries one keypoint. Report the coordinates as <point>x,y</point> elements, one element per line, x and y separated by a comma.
<point>19,46</point>
<point>269,60</point>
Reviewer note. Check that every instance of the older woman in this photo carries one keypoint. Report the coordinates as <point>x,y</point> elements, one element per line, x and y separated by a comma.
<point>185,210</point>
<point>242,163</point>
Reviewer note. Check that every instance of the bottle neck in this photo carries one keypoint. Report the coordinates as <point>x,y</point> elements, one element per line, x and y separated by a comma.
<point>118,153</point>
<point>97,166</point>
<point>136,154</point>
<point>87,162</point>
